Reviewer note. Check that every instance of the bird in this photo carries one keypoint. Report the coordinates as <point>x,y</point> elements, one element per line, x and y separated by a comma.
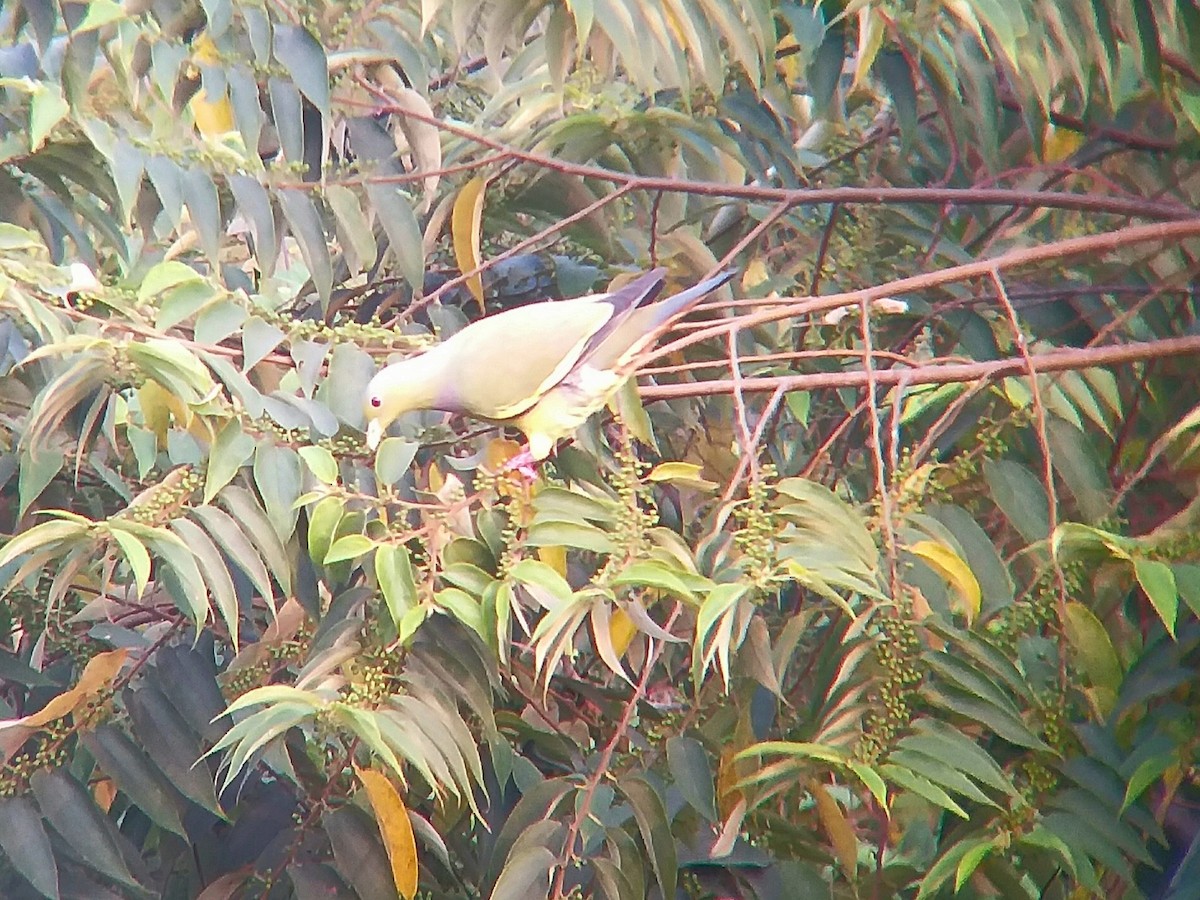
<point>543,367</point>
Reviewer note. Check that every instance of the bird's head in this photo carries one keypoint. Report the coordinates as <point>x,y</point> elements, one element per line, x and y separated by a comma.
<point>389,394</point>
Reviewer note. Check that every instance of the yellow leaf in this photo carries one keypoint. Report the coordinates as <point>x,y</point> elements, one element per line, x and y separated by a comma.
<point>837,828</point>
<point>158,406</point>
<point>1059,143</point>
<point>622,630</point>
<point>436,479</point>
<point>104,792</point>
<point>555,558</point>
<point>204,50</point>
<point>498,452</point>
<point>465,223</point>
<point>789,63</point>
<point>729,795</point>
<point>755,272</point>
<point>100,670</point>
<point>957,573</point>
<point>682,474</point>
<point>395,827</point>
<point>213,118</point>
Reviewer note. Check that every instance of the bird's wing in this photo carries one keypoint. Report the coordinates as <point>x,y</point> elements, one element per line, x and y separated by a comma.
<point>630,335</point>
<point>508,361</point>
<point>502,364</point>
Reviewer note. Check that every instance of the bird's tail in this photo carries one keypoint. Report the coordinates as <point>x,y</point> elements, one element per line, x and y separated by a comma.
<point>678,304</point>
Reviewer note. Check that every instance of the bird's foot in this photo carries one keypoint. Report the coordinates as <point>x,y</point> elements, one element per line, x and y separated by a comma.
<point>523,464</point>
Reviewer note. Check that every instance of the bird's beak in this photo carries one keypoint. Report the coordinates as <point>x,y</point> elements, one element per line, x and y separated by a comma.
<point>374,433</point>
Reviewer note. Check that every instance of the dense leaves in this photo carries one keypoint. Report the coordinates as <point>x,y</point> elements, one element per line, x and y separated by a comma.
<point>880,581</point>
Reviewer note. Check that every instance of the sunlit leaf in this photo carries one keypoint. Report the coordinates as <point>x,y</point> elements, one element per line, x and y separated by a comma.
<point>465,224</point>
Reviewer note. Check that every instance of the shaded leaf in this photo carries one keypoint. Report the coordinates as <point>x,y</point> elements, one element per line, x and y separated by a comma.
<point>361,858</point>
<point>651,815</point>
<point>123,761</point>
<point>68,806</point>
<point>24,840</point>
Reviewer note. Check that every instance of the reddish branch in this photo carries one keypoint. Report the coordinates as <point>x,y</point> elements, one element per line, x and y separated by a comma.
<point>1052,361</point>
<point>802,196</point>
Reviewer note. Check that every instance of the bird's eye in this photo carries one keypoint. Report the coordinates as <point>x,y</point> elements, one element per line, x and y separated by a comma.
<point>376,402</point>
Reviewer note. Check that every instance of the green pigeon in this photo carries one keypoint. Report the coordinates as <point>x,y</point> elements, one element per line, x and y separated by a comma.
<point>543,367</point>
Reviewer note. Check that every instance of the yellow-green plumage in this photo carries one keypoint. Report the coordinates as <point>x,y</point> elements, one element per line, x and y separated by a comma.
<point>544,367</point>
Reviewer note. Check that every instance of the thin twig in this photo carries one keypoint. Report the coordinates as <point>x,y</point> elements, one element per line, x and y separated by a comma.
<point>1039,411</point>
<point>593,782</point>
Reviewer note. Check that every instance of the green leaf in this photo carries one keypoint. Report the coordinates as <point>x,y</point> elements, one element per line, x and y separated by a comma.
<point>68,806</point>
<point>304,59</point>
<point>345,384</point>
<point>921,786</point>
<point>359,852</point>
<point>393,571</point>
<point>243,508</point>
<point>999,720</point>
<point>1020,496</point>
<point>943,741</point>
<point>940,772</point>
<point>537,804</point>
<point>43,536</point>
<point>980,554</point>
<point>393,459</point>
<point>651,815</point>
<point>1076,459</point>
<point>231,450</point>
<point>212,567</point>
<point>1187,582</point>
<point>136,555</point>
<point>277,477</point>
<point>259,339</point>
<point>1147,34</point>
<point>693,774</point>
<point>654,574</point>
<point>354,231</point>
<point>204,209</point>
<point>192,595</point>
<point>1094,652</point>
<point>1150,771</point>
<point>125,762</point>
<point>893,70</point>
<point>569,534</point>
<point>99,14</point>
<point>525,874</point>
<point>47,108</point>
<point>947,865</point>
<point>534,573</point>
<point>321,463</point>
<point>164,734</point>
<point>276,693</point>
<point>166,275</point>
<point>24,840</point>
<point>305,222</point>
<point>254,203</point>
<point>874,782</point>
<point>395,212</point>
<point>350,546</point>
<point>1158,581</point>
<point>37,471</point>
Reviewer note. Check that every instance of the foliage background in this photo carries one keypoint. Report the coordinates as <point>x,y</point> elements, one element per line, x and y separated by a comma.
<point>887,587</point>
